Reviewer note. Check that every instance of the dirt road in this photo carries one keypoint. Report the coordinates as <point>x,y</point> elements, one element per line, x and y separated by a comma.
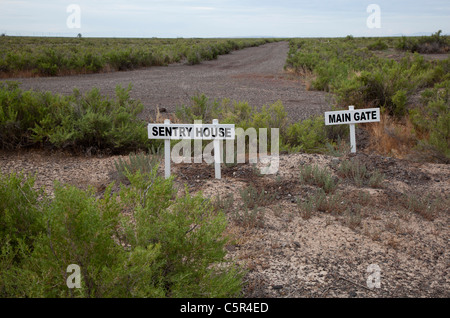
<point>255,75</point>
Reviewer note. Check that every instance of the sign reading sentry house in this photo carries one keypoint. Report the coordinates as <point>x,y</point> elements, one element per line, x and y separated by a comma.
<point>368,115</point>
<point>169,131</point>
<point>193,131</point>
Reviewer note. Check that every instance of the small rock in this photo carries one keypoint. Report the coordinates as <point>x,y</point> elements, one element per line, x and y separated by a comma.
<point>277,287</point>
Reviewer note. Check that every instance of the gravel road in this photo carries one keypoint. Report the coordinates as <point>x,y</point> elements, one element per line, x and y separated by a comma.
<point>255,75</point>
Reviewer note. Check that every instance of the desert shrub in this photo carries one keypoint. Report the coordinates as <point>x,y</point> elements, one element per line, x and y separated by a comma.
<point>136,162</point>
<point>427,206</point>
<point>141,242</point>
<point>357,172</point>
<point>308,135</point>
<point>387,86</point>
<point>252,197</point>
<point>320,201</point>
<point>225,203</point>
<point>436,43</point>
<point>249,217</point>
<point>378,45</point>
<point>193,58</point>
<point>432,122</point>
<point>62,56</point>
<point>201,108</point>
<point>20,212</point>
<point>316,176</point>
<point>80,122</point>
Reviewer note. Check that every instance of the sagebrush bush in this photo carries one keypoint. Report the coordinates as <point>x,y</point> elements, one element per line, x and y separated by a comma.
<point>20,212</point>
<point>317,176</point>
<point>27,56</point>
<point>309,135</point>
<point>358,77</point>
<point>89,122</point>
<point>436,43</point>
<point>141,242</point>
<point>357,172</point>
<point>378,45</point>
<point>136,162</point>
<point>432,122</point>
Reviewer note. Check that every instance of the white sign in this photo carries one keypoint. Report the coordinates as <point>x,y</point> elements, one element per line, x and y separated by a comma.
<point>195,131</point>
<point>168,131</point>
<point>368,115</point>
<point>352,117</point>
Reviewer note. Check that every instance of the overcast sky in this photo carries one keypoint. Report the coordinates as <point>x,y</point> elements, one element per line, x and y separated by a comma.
<point>223,18</point>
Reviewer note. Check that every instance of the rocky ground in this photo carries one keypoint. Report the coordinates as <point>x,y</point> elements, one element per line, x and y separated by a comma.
<point>290,254</point>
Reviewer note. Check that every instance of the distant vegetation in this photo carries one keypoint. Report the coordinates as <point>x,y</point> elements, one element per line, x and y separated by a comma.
<point>413,93</point>
<point>142,242</point>
<point>357,74</point>
<point>90,122</point>
<point>436,43</point>
<point>28,56</point>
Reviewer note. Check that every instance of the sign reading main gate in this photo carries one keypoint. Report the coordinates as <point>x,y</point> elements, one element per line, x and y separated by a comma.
<point>352,117</point>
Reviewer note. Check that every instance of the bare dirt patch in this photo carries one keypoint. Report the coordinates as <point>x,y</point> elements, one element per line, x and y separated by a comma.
<point>287,255</point>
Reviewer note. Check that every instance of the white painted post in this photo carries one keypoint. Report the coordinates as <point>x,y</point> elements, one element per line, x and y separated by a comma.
<point>352,133</point>
<point>217,154</point>
<point>167,153</point>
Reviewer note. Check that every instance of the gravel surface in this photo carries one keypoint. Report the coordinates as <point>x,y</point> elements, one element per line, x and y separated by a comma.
<point>255,75</point>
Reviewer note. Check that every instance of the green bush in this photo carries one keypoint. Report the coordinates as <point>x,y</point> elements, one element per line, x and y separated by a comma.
<point>378,45</point>
<point>357,172</point>
<point>62,56</point>
<point>432,122</point>
<point>20,212</point>
<point>436,43</point>
<point>356,76</point>
<point>142,242</point>
<point>316,176</point>
<point>136,162</point>
<point>89,122</point>
<point>308,135</point>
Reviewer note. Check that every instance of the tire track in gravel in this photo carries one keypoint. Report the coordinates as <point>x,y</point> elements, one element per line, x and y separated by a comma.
<point>254,75</point>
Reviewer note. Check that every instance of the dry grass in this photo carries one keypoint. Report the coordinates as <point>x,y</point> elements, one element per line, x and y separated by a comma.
<point>307,77</point>
<point>392,137</point>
